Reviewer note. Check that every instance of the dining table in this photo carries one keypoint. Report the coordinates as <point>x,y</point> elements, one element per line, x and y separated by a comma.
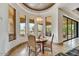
<point>42,41</point>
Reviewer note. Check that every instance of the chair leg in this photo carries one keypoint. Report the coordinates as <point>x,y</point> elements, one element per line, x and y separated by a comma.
<point>35,53</point>
<point>29,51</point>
<point>51,49</point>
<point>40,47</point>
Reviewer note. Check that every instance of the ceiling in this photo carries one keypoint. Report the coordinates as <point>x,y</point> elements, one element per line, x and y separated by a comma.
<point>38,6</point>
<point>70,7</point>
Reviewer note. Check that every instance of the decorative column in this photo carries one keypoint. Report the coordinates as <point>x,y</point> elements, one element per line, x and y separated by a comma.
<point>36,27</point>
<point>27,24</point>
<point>17,25</point>
<point>44,27</point>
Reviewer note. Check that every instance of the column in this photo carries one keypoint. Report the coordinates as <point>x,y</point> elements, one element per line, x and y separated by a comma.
<point>44,26</point>
<point>17,25</point>
<point>36,27</point>
<point>27,24</point>
<point>60,27</point>
<point>4,35</point>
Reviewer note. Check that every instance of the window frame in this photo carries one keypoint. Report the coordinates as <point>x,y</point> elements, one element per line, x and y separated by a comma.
<point>25,26</point>
<point>75,27</point>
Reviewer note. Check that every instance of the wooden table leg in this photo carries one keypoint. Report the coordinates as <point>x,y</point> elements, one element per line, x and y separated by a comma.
<point>43,48</point>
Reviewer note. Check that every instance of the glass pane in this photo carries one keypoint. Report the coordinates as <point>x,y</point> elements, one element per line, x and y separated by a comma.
<point>48,26</point>
<point>31,26</point>
<point>40,25</point>
<point>73,29</point>
<point>69,29</point>
<point>22,25</point>
<point>64,28</point>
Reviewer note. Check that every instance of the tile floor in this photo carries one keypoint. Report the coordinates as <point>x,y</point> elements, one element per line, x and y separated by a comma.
<point>66,46</point>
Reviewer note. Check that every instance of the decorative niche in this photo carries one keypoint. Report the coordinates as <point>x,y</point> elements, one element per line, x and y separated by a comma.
<point>12,23</point>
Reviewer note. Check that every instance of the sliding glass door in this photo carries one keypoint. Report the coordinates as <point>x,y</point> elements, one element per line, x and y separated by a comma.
<point>73,29</point>
<point>65,29</point>
<point>70,28</point>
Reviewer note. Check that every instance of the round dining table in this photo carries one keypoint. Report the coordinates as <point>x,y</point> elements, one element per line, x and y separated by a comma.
<point>42,42</point>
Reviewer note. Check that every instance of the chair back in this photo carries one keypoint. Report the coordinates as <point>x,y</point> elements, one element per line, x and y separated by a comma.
<point>52,39</point>
<point>32,42</point>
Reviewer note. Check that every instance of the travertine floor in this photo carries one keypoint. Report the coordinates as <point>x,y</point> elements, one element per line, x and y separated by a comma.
<point>23,50</point>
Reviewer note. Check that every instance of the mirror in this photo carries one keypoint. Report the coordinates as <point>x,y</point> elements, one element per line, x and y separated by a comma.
<point>12,23</point>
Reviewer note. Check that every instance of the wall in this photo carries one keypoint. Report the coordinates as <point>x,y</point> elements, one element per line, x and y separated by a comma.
<point>5,45</point>
<point>19,39</point>
<point>3,28</point>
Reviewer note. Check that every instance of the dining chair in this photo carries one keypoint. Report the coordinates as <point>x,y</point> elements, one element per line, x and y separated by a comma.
<point>32,44</point>
<point>48,44</point>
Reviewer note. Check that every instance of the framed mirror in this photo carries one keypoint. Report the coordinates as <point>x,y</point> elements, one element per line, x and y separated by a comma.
<point>12,23</point>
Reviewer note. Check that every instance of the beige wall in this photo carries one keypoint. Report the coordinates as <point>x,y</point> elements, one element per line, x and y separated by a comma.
<point>4,40</point>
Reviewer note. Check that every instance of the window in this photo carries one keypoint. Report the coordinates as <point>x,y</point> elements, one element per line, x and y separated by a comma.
<point>40,25</point>
<point>31,26</point>
<point>65,29</point>
<point>73,29</point>
<point>12,23</point>
<point>70,28</point>
<point>48,25</point>
<point>22,25</point>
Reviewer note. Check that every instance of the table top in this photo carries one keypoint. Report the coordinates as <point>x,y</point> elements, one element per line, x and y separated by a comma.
<point>41,40</point>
